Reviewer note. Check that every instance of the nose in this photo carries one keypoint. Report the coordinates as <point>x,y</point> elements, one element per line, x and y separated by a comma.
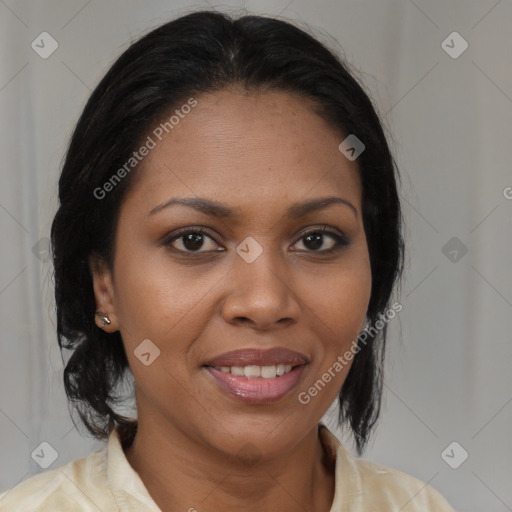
<point>261,294</point>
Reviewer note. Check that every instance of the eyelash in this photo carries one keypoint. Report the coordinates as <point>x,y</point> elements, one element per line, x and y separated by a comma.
<point>341,240</point>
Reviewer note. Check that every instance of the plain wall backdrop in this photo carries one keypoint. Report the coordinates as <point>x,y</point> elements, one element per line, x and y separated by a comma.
<point>449,110</point>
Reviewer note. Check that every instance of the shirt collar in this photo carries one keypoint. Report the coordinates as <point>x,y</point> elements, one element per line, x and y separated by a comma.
<point>125,482</point>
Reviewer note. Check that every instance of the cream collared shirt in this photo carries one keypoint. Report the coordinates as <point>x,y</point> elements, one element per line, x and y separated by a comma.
<point>104,481</point>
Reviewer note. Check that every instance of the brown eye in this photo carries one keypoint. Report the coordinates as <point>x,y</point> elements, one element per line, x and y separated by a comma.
<point>314,240</point>
<point>192,240</point>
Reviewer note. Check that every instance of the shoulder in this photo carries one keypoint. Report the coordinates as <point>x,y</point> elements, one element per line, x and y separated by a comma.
<point>400,491</point>
<point>79,485</point>
<point>362,485</point>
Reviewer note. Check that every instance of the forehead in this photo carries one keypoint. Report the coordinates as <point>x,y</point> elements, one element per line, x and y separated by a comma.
<point>257,149</point>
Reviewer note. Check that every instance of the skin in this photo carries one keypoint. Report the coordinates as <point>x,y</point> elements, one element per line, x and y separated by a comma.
<point>258,152</point>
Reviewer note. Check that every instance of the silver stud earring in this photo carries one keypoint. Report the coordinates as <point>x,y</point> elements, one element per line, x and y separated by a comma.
<point>105,320</point>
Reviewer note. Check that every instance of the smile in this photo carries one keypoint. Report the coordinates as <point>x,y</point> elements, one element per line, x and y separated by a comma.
<point>256,390</point>
<point>257,376</point>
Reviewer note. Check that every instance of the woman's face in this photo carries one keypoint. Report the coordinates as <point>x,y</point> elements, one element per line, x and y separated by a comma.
<point>261,288</point>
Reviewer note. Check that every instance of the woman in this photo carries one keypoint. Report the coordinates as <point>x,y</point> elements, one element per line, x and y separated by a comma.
<point>228,225</point>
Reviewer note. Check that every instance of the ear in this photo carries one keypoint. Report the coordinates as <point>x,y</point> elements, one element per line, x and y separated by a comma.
<point>103,293</point>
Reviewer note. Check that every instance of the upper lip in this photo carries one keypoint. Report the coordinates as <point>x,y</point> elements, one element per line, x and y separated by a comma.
<point>258,357</point>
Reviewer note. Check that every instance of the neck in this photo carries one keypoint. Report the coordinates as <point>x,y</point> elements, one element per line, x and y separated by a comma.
<point>181,474</point>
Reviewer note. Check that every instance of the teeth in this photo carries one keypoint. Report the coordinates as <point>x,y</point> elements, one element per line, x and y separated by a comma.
<point>237,370</point>
<point>269,372</point>
<point>255,372</point>
<point>252,372</point>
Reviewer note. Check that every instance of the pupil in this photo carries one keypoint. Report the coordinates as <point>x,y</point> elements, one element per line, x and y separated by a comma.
<point>317,241</point>
<point>193,241</point>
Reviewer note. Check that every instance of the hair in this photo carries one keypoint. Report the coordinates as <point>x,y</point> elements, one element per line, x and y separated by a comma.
<point>204,52</point>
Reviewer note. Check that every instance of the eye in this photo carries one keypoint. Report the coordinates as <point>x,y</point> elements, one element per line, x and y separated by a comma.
<point>315,239</point>
<point>195,240</point>
<point>191,240</point>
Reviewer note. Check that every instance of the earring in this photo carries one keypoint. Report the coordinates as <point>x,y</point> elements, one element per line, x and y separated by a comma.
<point>105,320</point>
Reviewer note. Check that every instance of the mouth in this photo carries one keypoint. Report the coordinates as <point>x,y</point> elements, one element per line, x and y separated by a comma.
<point>257,376</point>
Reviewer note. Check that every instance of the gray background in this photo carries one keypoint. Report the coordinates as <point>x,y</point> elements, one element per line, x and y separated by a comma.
<point>450,351</point>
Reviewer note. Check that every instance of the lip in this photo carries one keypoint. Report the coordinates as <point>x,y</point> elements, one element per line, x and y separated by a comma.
<point>260,390</point>
<point>257,391</point>
<point>259,357</point>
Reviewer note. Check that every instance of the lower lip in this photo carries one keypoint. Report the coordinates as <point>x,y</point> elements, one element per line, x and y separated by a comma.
<point>257,391</point>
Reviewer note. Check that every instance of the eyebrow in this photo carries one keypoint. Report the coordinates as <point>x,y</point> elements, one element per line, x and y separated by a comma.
<point>216,209</point>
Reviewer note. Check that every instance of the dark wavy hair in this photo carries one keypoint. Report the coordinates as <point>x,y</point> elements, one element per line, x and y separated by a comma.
<point>197,53</point>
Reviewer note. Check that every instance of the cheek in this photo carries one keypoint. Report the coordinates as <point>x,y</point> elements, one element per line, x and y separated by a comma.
<point>340,301</point>
<point>340,307</point>
<point>154,298</point>
<point>340,297</point>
